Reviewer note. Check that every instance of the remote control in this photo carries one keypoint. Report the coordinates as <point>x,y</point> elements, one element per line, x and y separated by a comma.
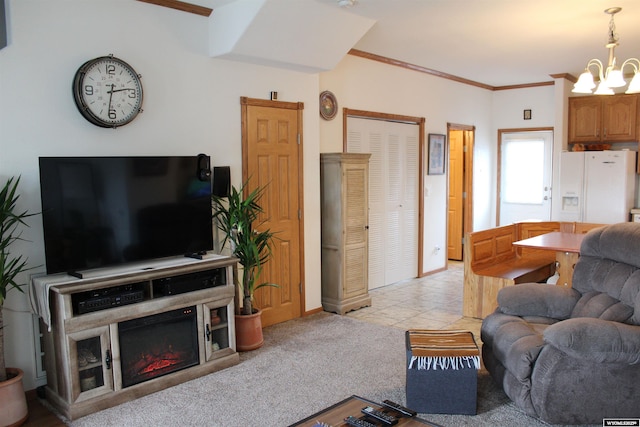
<point>397,407</point>
<point>380,416</point>
<point>357,422</point>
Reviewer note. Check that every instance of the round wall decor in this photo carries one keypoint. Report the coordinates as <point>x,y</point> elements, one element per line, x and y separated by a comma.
<point>107,92</point>
<point>328,105</point>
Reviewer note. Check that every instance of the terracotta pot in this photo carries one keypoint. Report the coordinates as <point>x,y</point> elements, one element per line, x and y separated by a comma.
<point>249,331</point>
<point>14,402</point>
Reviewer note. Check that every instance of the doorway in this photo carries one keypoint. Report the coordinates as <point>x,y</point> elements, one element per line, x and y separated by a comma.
<point>524,175</point>
<point>459,203</point>
<point>272,158</point>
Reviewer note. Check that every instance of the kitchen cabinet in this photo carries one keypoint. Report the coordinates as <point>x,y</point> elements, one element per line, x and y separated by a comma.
<point>596,119</point>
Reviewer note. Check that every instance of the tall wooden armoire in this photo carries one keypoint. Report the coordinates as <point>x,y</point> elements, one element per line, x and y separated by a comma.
<point>344,179</point>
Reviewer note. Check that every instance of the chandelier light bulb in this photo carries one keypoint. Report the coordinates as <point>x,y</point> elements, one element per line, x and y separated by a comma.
<point>585,83</point>
<point>634,86</point>
<point>603,89</point>
<point>615,78</point>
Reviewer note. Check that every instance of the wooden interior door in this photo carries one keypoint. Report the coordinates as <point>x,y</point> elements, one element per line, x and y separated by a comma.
<point>456,195</point>
<point>271,157</point>
<point>460,217</point>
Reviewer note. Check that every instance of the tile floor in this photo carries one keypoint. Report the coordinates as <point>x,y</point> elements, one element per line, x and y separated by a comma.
<point>431,302</point>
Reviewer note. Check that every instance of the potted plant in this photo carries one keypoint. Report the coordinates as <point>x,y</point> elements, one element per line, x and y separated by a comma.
<point>11,389</point>
<point>237,216</point>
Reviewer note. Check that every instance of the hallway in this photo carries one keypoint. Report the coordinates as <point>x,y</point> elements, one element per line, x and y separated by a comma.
<point>430,302</point>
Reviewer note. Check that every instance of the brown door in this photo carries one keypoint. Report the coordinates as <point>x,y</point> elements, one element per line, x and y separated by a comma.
<point>460,202</point>
<point>271,157</point>
<point>456,201</point>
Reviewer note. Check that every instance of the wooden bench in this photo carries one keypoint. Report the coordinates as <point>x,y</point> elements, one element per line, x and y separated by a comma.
<point>491,262</point>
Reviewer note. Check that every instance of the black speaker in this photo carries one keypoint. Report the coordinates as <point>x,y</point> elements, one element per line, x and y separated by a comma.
<point>204,168</point>
<point>221,181</point>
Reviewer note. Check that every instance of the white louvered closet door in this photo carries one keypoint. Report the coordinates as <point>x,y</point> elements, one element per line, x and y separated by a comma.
<point>393,196</point>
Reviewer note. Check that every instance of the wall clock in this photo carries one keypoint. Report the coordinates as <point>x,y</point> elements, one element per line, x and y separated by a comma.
<point>107,91</point>
<point>328,105</point>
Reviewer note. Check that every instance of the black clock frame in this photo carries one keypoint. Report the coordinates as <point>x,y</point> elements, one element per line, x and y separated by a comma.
<point>81,104</point>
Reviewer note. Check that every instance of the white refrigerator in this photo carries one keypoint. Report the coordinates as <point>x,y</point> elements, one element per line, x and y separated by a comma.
<point>597,186</point>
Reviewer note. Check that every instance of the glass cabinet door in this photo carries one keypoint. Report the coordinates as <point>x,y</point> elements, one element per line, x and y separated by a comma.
<point>218,338</point>
<point>91,363</point>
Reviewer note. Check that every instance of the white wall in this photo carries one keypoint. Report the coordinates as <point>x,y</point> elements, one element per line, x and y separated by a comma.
<point>191,105</point>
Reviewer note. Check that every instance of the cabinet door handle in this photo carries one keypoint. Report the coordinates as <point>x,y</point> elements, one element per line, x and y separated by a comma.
<point>208,332</point>
<point>107,359</point>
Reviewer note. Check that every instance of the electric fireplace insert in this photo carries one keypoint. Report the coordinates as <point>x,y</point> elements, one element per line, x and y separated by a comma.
<point>157,345</point>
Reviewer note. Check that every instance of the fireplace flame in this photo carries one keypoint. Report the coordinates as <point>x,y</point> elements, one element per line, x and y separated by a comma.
<point>157,365</point>
<point>149,364</point>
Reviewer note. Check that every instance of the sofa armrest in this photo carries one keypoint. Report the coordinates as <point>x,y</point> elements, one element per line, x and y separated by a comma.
<point>537,299</point>
<point>601,341</point>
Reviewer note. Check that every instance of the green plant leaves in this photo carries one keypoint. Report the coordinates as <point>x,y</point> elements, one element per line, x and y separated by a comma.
<point>10,221</point>
<point>238,218</point>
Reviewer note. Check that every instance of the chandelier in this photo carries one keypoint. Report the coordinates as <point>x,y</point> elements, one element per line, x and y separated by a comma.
<point>612,76</point>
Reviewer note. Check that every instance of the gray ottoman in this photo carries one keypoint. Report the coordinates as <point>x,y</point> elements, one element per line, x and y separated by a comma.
<point>442,371</point>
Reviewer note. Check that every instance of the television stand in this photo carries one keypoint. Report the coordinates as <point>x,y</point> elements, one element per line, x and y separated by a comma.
<point>172,320</point>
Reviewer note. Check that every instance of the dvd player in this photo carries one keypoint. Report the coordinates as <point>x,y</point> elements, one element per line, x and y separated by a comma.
<point>102,299</point>
<point>189,282</point>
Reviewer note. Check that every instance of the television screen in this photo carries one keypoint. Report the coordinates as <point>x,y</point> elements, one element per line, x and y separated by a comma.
<point>105,211</point>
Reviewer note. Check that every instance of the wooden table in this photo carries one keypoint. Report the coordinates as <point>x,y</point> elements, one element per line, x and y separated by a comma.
<point>334,415</point>
<point>566,246</point>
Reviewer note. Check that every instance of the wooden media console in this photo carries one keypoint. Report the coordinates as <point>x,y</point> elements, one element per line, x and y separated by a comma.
<point>121,334</point>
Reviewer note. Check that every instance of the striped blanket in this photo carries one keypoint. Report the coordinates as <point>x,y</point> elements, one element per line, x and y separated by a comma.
<point>442,349</point>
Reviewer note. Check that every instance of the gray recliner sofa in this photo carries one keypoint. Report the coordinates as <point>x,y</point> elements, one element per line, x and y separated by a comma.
<point>572,355</point>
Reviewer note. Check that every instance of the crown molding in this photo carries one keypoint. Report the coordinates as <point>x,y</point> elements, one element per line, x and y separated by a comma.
<point>523,86</point>
<point>436,73</point>
<point>180,5</point>
<point>567,76</point>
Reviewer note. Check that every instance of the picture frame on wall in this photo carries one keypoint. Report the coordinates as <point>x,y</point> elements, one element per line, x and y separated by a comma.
<point>437,154</point>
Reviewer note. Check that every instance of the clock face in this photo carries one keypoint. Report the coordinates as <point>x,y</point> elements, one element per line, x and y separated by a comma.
<point>108,92</point>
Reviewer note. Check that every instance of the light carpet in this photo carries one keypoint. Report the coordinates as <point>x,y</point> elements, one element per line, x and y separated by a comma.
<point>304,366</point>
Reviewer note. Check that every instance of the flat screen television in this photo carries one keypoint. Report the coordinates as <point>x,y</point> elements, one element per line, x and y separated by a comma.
<point>106,211</point>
